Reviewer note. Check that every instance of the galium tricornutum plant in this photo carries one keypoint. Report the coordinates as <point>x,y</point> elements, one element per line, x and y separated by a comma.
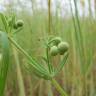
<point>54,46</point>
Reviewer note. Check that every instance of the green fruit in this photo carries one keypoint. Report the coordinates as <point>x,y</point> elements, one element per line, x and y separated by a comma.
<point>57,40</point>
<point>53,51</point>
<point>63,47</point>
<point>15,26</point>
<point>19,23</point>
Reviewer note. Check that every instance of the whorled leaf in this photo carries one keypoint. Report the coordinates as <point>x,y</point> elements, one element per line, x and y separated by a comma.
<point>40,73</point>
<point>38,68</point>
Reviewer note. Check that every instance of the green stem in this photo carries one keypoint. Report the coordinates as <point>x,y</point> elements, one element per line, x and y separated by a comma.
<point>48,61</point>
<point>58,87</point>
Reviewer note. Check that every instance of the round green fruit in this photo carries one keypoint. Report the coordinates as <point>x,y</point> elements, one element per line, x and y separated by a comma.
<point>63,47</point>
<point>19,23</point>
<point>57,40</point>
<point>53,51</point>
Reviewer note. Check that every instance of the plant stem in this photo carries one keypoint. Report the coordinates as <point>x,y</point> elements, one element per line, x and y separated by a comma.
<point>58,87</point>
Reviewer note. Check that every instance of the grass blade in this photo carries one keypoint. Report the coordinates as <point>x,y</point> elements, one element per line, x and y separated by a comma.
<point>5,61</point>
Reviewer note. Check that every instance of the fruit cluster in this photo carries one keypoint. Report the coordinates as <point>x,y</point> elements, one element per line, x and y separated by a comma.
<point>58,47</point>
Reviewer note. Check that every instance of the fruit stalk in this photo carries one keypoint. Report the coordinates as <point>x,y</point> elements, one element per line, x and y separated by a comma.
<point>58,87</point>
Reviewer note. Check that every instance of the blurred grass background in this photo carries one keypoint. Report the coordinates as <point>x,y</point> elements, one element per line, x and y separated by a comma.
<point>78,77</point>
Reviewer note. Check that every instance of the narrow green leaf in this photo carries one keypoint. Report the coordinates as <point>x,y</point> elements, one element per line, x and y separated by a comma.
<point>11,22</point>
<point>3,18</point>
<point>38,72</point>
<point>44,59</point>
<point>63,62</point>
